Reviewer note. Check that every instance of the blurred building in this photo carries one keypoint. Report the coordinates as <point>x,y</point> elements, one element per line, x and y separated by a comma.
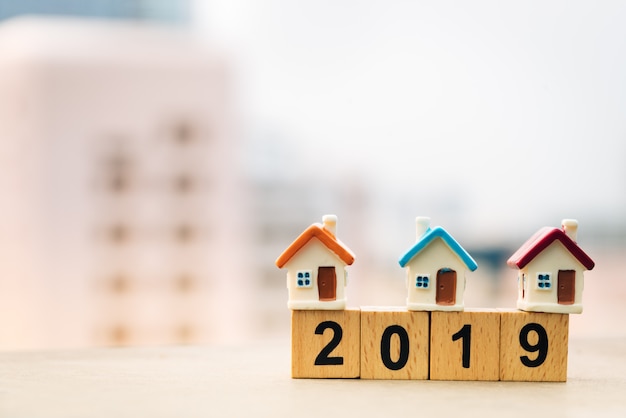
<point>122,212</point>
<point>132,214</point>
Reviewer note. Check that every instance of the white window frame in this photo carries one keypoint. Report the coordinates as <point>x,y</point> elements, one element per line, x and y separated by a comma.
<point>306,275</point>
<point>547,282</point>
<point>426,285</point>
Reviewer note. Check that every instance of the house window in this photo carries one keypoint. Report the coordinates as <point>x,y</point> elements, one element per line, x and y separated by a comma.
<point>422,281</point>
<point>544,281</point>
<point>304,278</point>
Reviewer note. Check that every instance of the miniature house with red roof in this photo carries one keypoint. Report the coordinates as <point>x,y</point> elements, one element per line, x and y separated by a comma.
<point>551,267</point>
<point>435,265</point>
<point>316,268</point>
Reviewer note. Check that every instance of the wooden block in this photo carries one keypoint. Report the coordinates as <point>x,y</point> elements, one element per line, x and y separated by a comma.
<point>394,343</point>
<point>325,344</point>
<point>465,345</point>
<point>534,346</point>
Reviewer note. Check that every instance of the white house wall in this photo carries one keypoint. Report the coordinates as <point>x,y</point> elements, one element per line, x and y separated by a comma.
<point>554,258</point>
<point>435,256</point>
<point>314,254</point>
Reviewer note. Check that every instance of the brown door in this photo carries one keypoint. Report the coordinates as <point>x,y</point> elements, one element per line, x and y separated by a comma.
<point>446,287</point>
<point>327,283</point>
<point>567,287</point>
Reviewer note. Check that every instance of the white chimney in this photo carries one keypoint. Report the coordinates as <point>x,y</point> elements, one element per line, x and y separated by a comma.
<point>330,223</point>
<point>570,227</point>
<point>422,224</point>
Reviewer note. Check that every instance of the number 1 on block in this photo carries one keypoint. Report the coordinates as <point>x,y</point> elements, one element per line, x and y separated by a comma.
<point>465,345</point>
<point>465,334</point>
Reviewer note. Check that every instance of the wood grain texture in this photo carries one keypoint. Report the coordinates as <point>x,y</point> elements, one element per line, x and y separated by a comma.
<point>446,354</point>
<point>381,341</point>
<point>306,345</point>
<point>512,353</point>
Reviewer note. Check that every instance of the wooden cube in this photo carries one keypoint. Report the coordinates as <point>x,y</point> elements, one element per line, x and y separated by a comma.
<point>534,346</point>
<point>394,343</point>
<point>465,345</point>
<point>325,344</point>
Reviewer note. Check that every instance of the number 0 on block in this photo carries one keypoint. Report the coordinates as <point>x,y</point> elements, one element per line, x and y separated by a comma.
<point>394,343</point>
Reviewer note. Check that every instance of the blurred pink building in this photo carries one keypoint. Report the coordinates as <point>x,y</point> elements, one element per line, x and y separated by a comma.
<point>121,217</point>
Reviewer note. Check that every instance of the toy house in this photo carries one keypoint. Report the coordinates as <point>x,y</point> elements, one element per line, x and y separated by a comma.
<point>551,267</point>
<point>435,266</point>
<point>316,268</point>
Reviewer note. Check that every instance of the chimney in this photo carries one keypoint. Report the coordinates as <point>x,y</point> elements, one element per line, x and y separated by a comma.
<point>422,224</point>
<point>570,227</point>
<point>330,224</point>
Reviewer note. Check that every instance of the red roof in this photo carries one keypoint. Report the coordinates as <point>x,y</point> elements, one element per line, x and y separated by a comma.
<point>325,236</point>
<point>540,241</point>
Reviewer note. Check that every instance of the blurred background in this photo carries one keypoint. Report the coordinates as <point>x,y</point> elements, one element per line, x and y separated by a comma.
<point>158,156</point>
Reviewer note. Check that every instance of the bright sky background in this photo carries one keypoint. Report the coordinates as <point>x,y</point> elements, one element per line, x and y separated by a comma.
<point>517,108</point>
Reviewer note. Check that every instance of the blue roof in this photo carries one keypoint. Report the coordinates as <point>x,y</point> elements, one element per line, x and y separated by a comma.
<point>430,235</point>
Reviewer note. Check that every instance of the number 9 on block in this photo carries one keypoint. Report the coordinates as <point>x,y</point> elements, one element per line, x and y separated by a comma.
<point>534,346</point>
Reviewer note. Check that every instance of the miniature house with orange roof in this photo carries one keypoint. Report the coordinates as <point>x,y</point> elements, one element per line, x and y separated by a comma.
<point>551,266</point>
<point>435,266</point>
<point>316,268</point>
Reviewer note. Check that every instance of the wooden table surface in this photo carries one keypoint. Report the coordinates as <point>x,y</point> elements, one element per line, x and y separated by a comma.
<point>253,381</point>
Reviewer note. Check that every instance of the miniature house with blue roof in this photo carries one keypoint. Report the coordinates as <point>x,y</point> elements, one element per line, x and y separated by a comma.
<point>435,266</point>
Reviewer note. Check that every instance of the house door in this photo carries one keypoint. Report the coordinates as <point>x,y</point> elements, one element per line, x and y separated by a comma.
<point>446,287</point>
<point>567,287</point>
<point>327,283</point>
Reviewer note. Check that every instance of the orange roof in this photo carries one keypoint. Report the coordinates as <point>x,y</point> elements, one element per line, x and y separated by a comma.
<point>326,237</point>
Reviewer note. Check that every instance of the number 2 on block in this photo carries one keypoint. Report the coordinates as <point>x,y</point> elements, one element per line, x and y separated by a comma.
<point>465,334</point>
<point>323,358</point>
